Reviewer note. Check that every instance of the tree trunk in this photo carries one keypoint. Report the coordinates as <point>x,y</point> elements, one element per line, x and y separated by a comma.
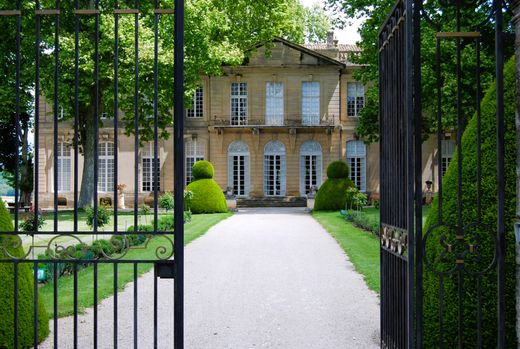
<point>515,5</point>
<point>87,140</point>
<point>26,176</point>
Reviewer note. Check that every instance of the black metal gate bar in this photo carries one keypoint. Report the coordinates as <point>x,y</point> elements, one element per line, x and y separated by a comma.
<point>179,173</point>
<point>36,165</point>
<point>401,115</point>
<point>53,260</point>
<point>415,287</point>
<point>396,159</point>
<point>499,65</point>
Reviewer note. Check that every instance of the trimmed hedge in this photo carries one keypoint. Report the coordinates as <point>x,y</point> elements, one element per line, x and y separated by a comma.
<point>332,194</point>
<point>486,245</point>
<point>338,169</point>
<point>207,197</point>
<point>203,169</point>
<point>25,296</point>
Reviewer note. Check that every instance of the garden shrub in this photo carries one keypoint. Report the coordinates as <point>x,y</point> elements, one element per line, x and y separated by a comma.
<point>486,245</point>
<point>103,216</point>
<point>337,169</point>
<point>207,197</point>
<point>167,201</point>
<point>332,194</point>
<point>355,199</point>
<point>25,295</point>
<point>145,228</point>
<point>203,169</point>
<point>144,212</point>
<point>27,224</point>
<point>165,223</point>
<point>361,220</point>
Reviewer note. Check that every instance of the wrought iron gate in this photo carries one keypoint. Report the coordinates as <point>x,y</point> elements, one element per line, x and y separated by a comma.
<point>457,253</point>
<point>67,247</point>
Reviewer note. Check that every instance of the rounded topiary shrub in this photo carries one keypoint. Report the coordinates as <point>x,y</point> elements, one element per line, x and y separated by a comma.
<point>332,194</point>
<point>203,169</point>
<point>338,169</point>
<point>207,195</point>
<point>439,260</point>
<point>25,295</point>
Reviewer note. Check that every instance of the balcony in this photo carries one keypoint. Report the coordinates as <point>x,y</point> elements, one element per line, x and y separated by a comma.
<point>288,124</point>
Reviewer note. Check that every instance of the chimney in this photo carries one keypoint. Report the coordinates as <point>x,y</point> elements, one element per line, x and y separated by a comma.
<point>330,38</point>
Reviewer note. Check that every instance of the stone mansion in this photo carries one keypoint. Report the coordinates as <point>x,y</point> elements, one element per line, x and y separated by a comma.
<point>270,127</point>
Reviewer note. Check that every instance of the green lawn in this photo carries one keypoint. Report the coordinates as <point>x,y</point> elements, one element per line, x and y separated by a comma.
<point>197,227</point>
<point>361,247</point>
<point>374,212</point>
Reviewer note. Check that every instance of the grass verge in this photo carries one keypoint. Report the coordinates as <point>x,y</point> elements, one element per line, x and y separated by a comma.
<point>198,226</point>
<point>361,247</point>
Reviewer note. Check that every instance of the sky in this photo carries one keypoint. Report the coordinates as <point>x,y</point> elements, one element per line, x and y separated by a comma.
<point>349,35</point>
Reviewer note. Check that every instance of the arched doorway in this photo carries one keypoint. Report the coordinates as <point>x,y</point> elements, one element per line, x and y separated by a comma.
<point>274,169</point>
<point>238,168</point>
<point>310,166</point>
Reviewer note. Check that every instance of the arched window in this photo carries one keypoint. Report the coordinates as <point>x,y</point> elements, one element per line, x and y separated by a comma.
<point>106,167</point>
<point>238,168</point>
<point>357,160</point>
<point>310,166</point>
<point>195,151</point>
<point>274,169</point>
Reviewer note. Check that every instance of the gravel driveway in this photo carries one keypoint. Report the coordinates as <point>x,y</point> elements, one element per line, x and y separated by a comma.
<point>264,278</point>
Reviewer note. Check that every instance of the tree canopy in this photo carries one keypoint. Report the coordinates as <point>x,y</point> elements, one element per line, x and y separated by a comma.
<point>441,18</point>
<point>217,33</point>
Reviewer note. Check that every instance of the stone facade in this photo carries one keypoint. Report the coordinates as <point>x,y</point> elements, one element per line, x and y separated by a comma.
<point>219,124</point>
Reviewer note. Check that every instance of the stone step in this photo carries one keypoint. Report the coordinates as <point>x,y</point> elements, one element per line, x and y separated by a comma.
<point>272,202</point>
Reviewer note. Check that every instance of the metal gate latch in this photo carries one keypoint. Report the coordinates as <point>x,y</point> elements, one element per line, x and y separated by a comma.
<point>165,269</point>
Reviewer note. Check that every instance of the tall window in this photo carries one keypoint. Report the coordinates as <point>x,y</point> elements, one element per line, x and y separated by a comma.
<point>196,110</point>
<point>274,103</point>
<point>355,98</point>
<point>64,167</point>
<point>195,150</point>
<point>310,103</point>
<point>274,169</point>
<point>106,167</point>
<point>356,159</point>
<point>238,103</point>
<point>150,166</point>
<point>310,166</point>
<point>238,168</point>
<point>448,148</point>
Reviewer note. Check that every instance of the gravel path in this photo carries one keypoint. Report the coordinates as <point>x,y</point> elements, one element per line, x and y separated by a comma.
<point>264,278</point>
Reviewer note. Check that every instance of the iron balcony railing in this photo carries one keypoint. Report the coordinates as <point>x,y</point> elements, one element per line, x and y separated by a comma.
<point>263,121</point>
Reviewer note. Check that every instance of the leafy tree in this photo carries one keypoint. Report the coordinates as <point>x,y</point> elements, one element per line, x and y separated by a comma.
<point>218,32</point>
<point>8,161</point>
<point>317,23</point>
<point>443,19</point>
<point>8,87</point>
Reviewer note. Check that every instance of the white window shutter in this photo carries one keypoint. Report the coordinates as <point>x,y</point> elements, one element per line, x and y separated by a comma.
<point>247,176</point>
<point>319,170</point>
<point>302,175</point>
<point>230,171</point>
